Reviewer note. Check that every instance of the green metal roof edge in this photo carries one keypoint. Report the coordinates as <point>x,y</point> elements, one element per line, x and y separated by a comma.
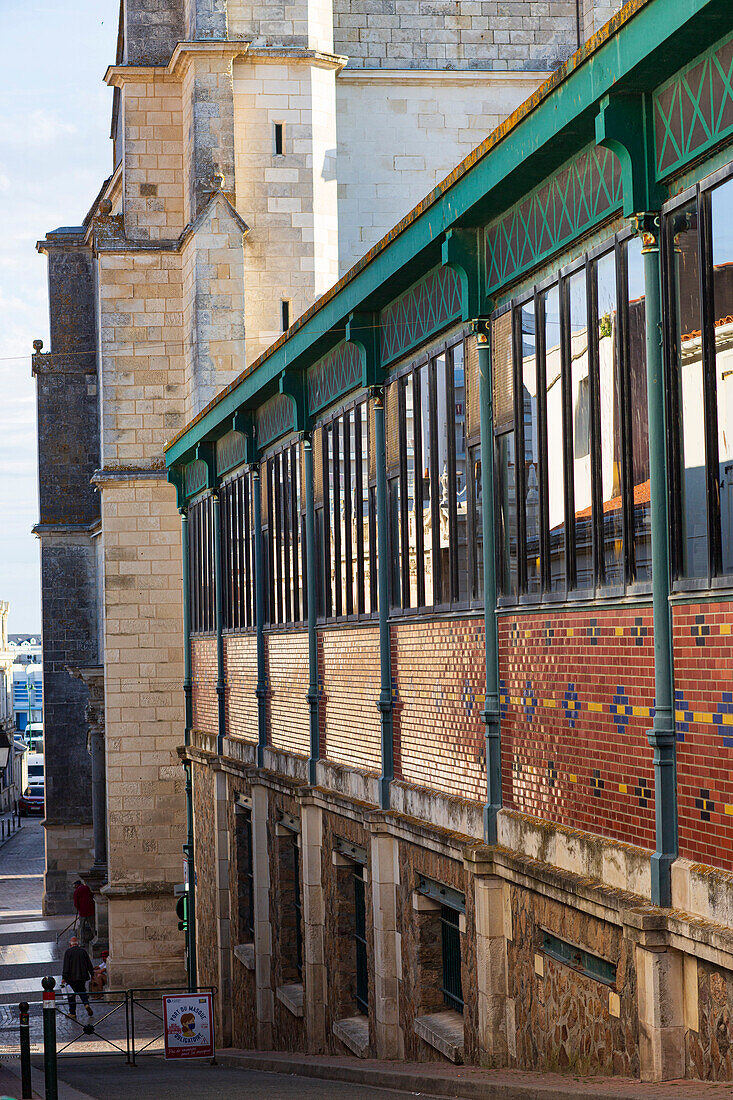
<point>608,62</point>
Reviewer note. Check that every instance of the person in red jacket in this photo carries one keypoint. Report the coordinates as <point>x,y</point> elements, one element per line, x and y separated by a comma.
<point>84,905</point>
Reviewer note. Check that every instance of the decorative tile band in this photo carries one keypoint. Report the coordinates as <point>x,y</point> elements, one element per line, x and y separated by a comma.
<point>419,313</point>
<point>581,194</point>
<point>333,375</point>
<point>274,418</point>
<point>694,110</point>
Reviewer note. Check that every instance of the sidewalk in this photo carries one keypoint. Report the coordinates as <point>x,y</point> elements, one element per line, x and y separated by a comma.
<point>9,826</point>
<point>436,1079</point>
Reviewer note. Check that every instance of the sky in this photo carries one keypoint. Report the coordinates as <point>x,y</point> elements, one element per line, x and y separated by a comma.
<point>54,154</point>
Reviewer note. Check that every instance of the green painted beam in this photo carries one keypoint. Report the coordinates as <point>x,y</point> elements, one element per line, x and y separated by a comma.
<point>657,41</point>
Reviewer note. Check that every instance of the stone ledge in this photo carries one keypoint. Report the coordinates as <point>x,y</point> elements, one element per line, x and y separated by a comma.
<point>291,996</point>
<point>245,952</point>
<point>444,1032</point>
<point>353,1032</point>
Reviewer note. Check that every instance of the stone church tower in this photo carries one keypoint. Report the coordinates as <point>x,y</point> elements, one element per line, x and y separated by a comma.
<point>260,149</point>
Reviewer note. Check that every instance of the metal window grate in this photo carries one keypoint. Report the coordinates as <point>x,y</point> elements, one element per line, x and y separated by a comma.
<point>362,972</point>
<point>392,428</point>
<point>245,874</point>
<point>451,944</point>
<point>473,409</point>
<point>503,386</point>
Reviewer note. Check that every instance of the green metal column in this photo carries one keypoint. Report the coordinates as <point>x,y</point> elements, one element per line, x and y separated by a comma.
<point>662,735</point>
<point>219,612</point>
<point>188,851</point>
<point>188,847</point>
<point>490,713</point>
<point>385,652</point>
<point>261,689</point>
<point>311,565</point>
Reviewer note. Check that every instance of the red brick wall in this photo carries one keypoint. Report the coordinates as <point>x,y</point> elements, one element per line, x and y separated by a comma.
<point>349,694</point>
<point>203,670</point>
<point>439,680</point>
<point>577,693</point>
<point>703,653</point>
<point>240,671</point>
<point>287,678</point>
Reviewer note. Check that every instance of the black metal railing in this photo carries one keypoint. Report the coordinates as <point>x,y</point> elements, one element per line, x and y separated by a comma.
<point>137,1006</point>
<point>362,970</point>
<point>451,944</point>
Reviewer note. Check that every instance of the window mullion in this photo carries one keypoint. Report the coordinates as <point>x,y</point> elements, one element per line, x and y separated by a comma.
<point>450,405</point>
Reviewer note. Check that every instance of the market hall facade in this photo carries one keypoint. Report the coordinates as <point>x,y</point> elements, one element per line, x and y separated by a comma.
<point>458,549</point>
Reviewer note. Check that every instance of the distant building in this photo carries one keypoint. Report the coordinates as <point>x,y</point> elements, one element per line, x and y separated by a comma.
<point>11,775</point>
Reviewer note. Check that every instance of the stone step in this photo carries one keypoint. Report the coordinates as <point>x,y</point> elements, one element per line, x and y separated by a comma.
<point>21,961</point>
<point>28,989</point>
<point>31,931</point>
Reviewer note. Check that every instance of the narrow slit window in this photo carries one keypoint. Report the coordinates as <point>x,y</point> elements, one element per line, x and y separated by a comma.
<point>278,138</point>
<point>285,314</point>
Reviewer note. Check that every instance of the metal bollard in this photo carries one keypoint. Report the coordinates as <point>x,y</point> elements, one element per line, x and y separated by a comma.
<point>49,1039</point>
<point>25,1050</point>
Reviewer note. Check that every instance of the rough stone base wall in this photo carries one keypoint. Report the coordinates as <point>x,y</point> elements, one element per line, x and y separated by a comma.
<point>69,854</point>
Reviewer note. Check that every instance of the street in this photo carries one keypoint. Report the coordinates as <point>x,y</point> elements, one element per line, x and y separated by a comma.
<point>21,871</point>
<point>111,1079</point>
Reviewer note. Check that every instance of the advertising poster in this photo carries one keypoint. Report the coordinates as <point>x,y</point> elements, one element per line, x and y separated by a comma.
<point>189,1029</point>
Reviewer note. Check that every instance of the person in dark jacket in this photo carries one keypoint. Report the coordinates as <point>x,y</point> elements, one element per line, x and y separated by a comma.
<point>84,905</point>
<point>76,972</point>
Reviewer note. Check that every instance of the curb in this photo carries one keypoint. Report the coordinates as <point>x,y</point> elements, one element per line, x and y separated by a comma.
<point>424,1083</point>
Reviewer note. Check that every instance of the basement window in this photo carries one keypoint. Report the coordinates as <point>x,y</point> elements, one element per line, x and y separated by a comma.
<point>579,960</point>
<point>278,139</point>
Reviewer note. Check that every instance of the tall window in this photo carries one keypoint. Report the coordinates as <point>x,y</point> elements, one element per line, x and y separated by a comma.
<point>346,522</point>
<point>569,373</point>
<point>431,484</point>
<point>237,553</point>
<point>699,261</point>
<point>245,874</point>
<point>201,580</point>
<point>285,536</point>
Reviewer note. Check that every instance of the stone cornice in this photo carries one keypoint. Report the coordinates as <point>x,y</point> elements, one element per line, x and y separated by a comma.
<point>44,530</point>
<point>185,53</point>
<point>108,474</point>
<point>64,362</point>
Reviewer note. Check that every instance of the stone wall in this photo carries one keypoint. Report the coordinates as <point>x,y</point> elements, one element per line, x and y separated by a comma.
<point>428,122</point>
<point>68,455</point>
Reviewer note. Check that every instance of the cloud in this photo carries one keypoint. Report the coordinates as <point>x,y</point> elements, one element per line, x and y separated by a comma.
<point>36,127</point>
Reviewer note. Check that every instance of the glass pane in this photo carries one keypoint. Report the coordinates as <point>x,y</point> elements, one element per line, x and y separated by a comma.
<point>688,356</point>
<point>332,512</point>
<point>637,398</point>
<point>722,206</point>
<point>364,506</point>
<point>343,451</point>
<point>441,427</point>
<point>507,512</point>
<point>297,555</point>
<point>353,513</point>
<point>395,533</point>
<point>461,486</point>
<point>555,461</point>
<point>610,417</point>
<point>477,587</point>
<point>410,488</point>
<point>427,521</point>
<point>580,428</point>
<point>531,447</point>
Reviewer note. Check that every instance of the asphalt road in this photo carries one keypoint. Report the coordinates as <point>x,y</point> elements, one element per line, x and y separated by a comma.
<point>154,1079</point>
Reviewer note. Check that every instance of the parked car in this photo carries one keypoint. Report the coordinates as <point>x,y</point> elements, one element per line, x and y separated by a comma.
<point>32,800</point>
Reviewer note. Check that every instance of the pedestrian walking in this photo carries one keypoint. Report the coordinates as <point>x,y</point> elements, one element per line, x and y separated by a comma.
<point>76,972</point>
<point>84,905</point>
